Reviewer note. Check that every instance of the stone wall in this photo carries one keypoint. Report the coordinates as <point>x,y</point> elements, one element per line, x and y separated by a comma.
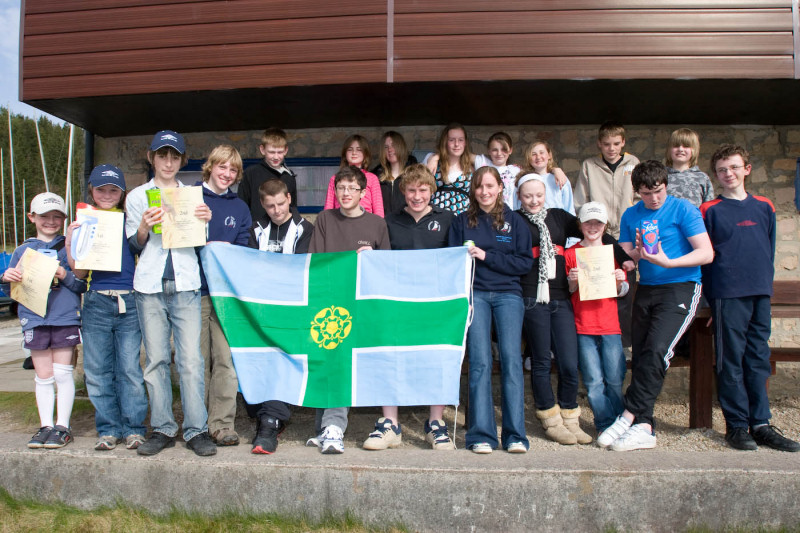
<point>773,149</point>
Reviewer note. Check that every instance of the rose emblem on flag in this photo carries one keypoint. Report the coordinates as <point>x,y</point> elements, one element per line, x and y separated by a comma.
<point>331,326</point>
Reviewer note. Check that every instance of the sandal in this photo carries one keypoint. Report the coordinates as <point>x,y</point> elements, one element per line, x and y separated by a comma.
<point>106,442</point>
<point>132,442</point>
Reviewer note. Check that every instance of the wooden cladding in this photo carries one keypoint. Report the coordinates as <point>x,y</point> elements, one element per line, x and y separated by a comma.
<point>91,48</point>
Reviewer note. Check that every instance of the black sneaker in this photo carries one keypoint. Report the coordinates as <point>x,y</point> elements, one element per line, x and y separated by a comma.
<point>202,445</point>
<point>40,437</point>
<point>740,439</point>
<point>267,430</point>
<point>769,435</point>
<point>156,443</point>
<point>58,438</point>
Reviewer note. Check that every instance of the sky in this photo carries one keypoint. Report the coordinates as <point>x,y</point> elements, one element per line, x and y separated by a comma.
<point>9,61</point>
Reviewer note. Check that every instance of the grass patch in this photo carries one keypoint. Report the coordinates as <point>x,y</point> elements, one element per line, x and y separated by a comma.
<point>21,407</point>
<point>27,515</point>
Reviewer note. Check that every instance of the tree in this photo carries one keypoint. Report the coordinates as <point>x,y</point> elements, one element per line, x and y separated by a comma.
<point>28,165</point>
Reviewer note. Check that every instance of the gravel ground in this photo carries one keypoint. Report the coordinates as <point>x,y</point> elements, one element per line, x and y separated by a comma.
<point>671,413</point>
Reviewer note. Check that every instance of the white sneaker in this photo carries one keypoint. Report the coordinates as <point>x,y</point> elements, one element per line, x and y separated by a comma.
<point>315,442</point>
<point>517,447</point>
<point>385,436</point>
<point>636,438</point>
<point>613,432</point>
<point>332,440</point>
<point>481,447</point>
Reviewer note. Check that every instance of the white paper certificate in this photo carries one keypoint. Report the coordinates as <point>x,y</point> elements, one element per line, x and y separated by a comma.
<point>38,272</point>
<point>97,243</point>
<point>596,272</point>
<point>180,228</point>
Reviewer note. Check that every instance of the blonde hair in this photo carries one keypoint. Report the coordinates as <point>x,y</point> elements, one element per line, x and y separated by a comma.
<point>417,174</point>
<point>400,149</point>
<point>223,153</point>
<point>465,161</point>
<point>274,136</point>
<point>528,167</point>
<point>683,137</point>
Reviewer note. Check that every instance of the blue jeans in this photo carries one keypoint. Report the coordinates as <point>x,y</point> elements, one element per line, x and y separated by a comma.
<point>178,314</point>
<point>602,364</point>
<point>552,324</point>
<point>506,309</point>
<point>111,347</point>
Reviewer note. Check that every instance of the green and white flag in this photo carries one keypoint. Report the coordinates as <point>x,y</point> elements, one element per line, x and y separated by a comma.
<point>343,329</point>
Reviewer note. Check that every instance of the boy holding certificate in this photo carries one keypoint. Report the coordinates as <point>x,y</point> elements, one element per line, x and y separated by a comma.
<point>50,336</point>
<point>667,238</point>
<point>600,356</point>
<point>167,289</point>
<point>738,285</point>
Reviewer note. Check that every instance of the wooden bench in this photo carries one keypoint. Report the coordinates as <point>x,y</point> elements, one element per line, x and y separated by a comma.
<point>785,304</point>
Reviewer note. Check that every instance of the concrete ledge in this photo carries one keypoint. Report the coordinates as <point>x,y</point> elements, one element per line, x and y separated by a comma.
<point>579,489</point>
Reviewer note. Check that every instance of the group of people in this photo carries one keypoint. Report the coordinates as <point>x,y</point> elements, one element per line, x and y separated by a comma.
<point>519,224</point>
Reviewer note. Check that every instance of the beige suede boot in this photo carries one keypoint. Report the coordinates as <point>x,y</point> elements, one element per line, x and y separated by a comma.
<point>571,418</point>
<point>554,427</point>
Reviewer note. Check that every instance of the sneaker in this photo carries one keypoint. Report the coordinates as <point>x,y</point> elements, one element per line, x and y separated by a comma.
<point>106,442</point>
<point>332,440</point>
<point>40,437</point>
<point>267,430</point>
<point>481,447</point>
<point>636,438</point>
<point>385,436</point>
<point>202,445</point>
<point>436,434</point>
<point>156,443</point>
<point>772,437</point>
<point>315,441</point>
<point>132,442</point>
<point>225,437</point>
<point>58,438</point>
<point>740,439</point>
<point>517,447</point>
<point>613,432</point>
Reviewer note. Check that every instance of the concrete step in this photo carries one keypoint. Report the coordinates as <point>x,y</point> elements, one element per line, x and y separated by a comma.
<point>573,489</point>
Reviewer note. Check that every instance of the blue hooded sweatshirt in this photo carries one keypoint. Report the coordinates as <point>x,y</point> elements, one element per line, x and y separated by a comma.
<point>230,222</point>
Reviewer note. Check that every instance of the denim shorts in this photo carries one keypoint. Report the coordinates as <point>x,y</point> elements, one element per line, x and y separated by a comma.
<point>47,337</point>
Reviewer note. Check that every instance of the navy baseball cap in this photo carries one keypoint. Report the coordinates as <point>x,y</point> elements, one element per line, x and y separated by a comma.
<point>107,175</point>
<point>168,138</point>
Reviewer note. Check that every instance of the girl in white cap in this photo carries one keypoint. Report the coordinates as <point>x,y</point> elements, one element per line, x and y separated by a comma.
<point>50,337</point>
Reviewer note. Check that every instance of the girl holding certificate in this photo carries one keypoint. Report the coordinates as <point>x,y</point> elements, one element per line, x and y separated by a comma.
<point>111,333</point>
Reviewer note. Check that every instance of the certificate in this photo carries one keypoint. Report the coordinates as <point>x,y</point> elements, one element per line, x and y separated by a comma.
<point>38,271</point>
<point>97,242</point>
<point>596,278</point>
<point>179,227</point>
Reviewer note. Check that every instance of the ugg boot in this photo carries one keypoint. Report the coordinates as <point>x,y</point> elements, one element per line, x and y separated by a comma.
<point>554,426</point>
<point>571,418</point>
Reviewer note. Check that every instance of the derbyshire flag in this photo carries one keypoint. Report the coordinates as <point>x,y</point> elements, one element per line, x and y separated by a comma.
<point>343,329</point>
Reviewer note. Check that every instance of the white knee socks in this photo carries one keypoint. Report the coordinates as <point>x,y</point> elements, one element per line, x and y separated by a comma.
<point>45,399</point>
<point>66,392</point>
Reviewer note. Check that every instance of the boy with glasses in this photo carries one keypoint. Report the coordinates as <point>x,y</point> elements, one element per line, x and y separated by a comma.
<point>738,285</point>
<point>348,227</point>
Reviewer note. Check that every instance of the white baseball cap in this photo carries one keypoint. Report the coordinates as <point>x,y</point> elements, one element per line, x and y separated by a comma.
<point>46,202</point>
<point>593,211</point>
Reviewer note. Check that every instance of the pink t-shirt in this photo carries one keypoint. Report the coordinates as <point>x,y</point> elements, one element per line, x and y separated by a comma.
<point>372,201</point>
